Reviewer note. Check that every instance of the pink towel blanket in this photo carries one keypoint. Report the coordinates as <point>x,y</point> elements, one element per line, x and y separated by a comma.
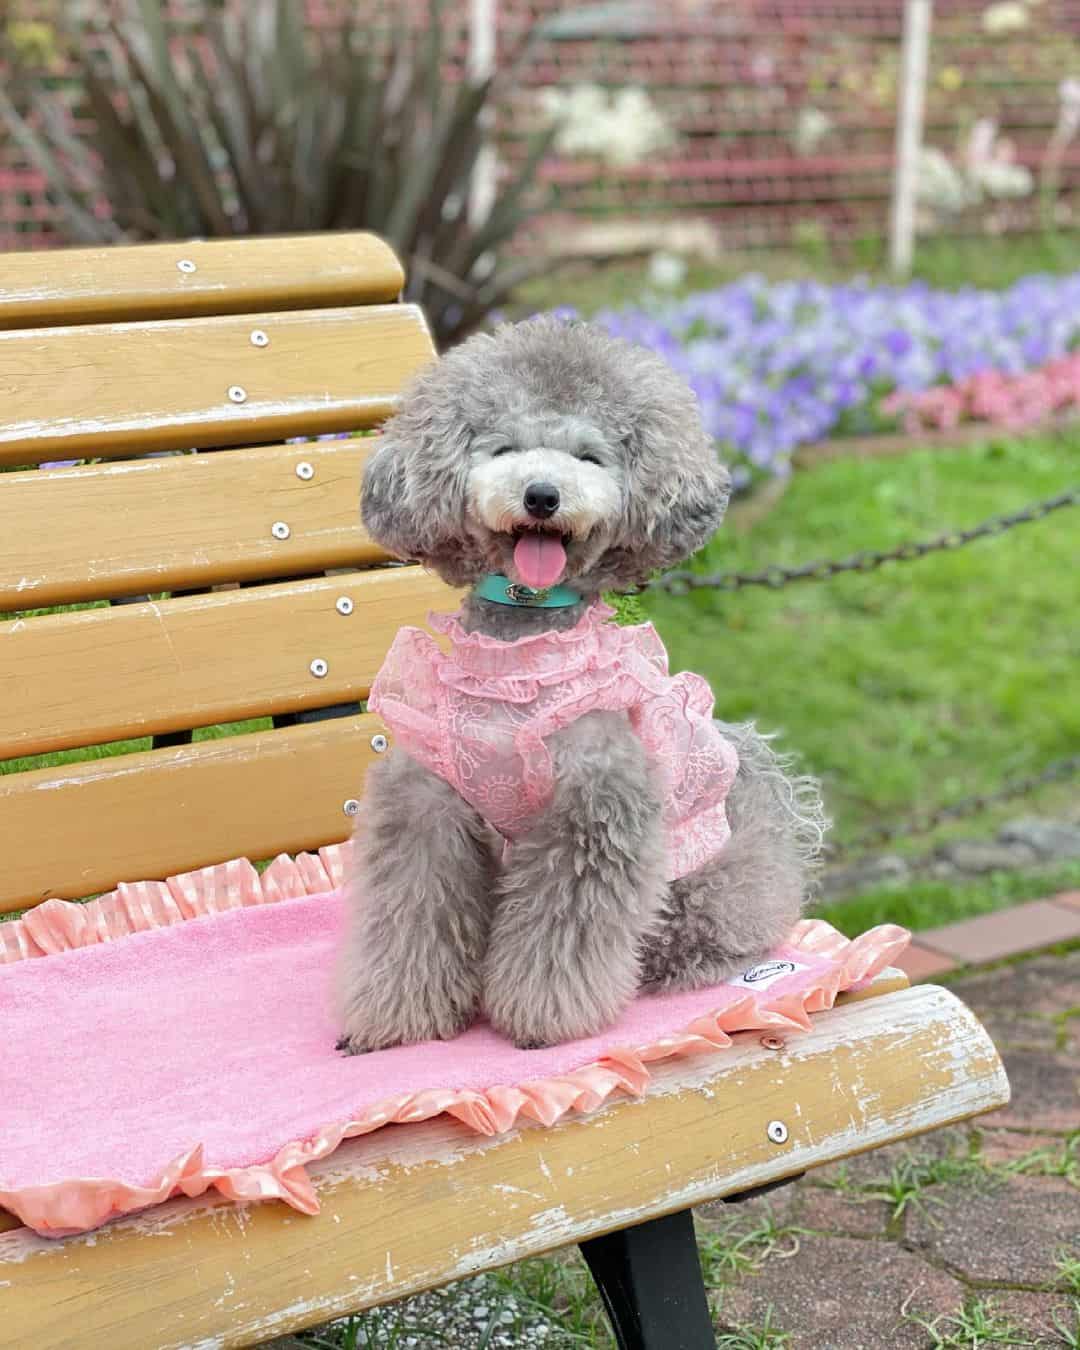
<point>174,1037</point>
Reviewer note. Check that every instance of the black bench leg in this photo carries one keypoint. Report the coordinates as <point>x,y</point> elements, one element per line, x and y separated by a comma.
<point>650,1280</point>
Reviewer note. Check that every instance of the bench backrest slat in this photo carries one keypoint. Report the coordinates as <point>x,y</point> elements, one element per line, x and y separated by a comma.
<point>99,675</point>
<point>178,280</point>
<point>83,828</point>
<point>148,525</point>
<point>170,384</point>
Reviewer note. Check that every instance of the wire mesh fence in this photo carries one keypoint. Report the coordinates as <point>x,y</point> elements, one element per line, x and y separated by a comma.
<point>769,121</point>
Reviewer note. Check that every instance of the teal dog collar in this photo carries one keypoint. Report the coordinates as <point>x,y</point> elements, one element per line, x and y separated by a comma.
<point>502,591</point>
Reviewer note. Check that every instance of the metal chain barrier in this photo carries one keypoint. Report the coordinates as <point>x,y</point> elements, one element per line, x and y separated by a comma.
<point>868,560</point>
<point>1057,771</point>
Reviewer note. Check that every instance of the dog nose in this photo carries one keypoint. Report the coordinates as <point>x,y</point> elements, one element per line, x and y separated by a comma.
<point>541,500</point>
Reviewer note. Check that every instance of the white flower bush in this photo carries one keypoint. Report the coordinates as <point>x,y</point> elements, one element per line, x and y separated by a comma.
<point>1069,111</point>
<point>991,166</point>
<point>939,184</point>
<point>1004,17</point>
<point>988,171</point>
<point>811,127</point>
<point>620,127</point>
<point>667,270</point>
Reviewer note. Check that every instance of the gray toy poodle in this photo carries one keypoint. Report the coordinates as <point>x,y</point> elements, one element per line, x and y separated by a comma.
<point>559,823</point>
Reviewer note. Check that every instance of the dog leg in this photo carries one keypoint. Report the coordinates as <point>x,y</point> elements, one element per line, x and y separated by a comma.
<point>421,900</point>
<point>578,891</point>
<point>731,912</point>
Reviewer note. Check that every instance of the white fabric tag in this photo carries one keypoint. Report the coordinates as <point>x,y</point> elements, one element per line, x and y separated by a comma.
<point>766,973</point>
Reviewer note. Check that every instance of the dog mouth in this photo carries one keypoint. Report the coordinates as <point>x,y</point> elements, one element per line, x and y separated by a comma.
<point>540,556</point>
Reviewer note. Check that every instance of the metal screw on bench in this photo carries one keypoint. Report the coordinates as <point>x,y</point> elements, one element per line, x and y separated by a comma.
<point>351,807</point>
<point>379,743</point>
<point>344,605</point>
<point>237,394</point>
<point>318,667</point>
<point>305,470</point>
<point>187,266</point>
<point>280,530</point>
<point>259,338</point>
<point>777,1131</point>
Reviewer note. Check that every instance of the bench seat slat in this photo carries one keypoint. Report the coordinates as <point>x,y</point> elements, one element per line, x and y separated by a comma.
<point>147,525</point>
<point>103,674</point>
<point>115,390</point>
<point>82,828</point>
<point>94,285</point>
<point>415,1206</point>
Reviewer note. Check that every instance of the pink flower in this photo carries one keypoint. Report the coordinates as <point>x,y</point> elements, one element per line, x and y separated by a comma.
<point>1014,402</point>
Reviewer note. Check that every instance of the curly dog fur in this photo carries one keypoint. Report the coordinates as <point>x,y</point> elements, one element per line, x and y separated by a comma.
<point>553,944</point>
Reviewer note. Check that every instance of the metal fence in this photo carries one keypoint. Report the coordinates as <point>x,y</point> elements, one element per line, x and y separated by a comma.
<point>775,119</point>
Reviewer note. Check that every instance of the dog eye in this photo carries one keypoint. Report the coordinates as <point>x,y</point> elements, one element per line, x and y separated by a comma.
<point>587,458</point>
<point>501,450</point>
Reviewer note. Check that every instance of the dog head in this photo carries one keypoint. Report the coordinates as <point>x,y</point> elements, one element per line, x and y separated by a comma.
<point>548,452</point>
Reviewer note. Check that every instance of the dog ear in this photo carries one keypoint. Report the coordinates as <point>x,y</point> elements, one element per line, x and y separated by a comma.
<point>678,489</point>
<point>383,499</point>
<point>413,495</point>
<point>695,510</point>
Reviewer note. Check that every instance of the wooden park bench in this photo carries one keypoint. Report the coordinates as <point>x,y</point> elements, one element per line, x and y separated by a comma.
<point>202,589</point>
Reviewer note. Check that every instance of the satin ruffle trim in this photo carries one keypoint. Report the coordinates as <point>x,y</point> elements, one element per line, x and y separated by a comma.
<point>78,1204</point>
<point>134,907</point>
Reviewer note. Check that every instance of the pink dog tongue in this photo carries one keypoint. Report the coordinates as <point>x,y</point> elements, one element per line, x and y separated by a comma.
<point>540,559</point>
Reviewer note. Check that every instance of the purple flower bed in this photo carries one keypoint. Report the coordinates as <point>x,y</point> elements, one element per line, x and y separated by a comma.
<point>778,365</point>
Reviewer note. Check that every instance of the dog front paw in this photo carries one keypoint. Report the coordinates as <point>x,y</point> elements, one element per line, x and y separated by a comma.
<point>349,1045</point>
<point>532,1043</point>
<point>532,1028</point>
<point>377,1020</point>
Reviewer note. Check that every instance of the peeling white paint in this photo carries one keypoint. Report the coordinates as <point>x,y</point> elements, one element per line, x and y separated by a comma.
<point>503,1188</point>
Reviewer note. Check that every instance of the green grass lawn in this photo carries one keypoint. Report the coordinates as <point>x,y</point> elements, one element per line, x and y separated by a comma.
<point>924,681</point>
<point>921,683</point>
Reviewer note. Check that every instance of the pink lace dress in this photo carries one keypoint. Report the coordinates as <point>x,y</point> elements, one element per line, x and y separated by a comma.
<point>480,714</point>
